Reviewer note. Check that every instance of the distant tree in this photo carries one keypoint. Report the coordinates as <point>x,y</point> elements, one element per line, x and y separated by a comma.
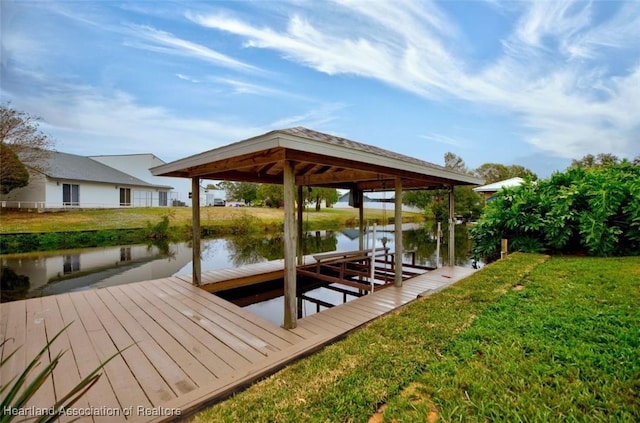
<point>494,172</point>
<point>455,162</point>
<point>418,198</point>
<point>13,173</point>
<point>19,131</point>
<point>601,160</point>
<point>245,191</point>
<point>271,195</point>
<point>19,134</point>
<point>317,195</point>
<point>636,161</point>
<point>467,203</point>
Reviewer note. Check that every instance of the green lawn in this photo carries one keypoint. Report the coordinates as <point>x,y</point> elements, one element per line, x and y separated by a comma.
<point>135,218</point>
<point>529,338</point>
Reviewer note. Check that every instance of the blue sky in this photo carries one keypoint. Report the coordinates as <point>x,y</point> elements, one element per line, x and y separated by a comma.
<point>513,82</point>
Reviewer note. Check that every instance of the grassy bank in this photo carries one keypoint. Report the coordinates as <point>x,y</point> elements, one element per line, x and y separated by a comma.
<point>24,232</point>
<point>137,218</point>
<point>526,339</point>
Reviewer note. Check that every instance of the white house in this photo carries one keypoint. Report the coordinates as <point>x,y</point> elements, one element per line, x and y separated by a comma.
<point>138,165</point>
<point>68,180</point>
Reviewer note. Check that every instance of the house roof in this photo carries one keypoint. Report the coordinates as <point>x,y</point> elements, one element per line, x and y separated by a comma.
<point>497,186</point>
<point>319,160</point>
<point>79,168</point>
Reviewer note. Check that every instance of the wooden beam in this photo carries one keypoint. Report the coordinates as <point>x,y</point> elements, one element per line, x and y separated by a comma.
<point>290,235</point>
<point>299,223</point>
<point>261,158</point>
<point>427,180</point>
<point>245,176</point>
<point>318,179</point>
<point>195,228</point>
<point>361,225</point>
<point>398,233</point>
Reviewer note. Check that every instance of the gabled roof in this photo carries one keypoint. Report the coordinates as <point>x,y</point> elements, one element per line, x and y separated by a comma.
<point>319,159</point>
<point>79,168</point>
<point>497,186</point>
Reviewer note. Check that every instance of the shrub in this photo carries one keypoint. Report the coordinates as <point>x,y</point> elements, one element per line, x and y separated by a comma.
<point>583,210</point>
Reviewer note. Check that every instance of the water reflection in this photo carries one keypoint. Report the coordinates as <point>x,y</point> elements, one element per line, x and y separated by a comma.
<point>39,274</point>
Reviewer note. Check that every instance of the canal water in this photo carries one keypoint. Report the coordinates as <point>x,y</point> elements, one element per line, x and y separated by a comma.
<point>56,272</point>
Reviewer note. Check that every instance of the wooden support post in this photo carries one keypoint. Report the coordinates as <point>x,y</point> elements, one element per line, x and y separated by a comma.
<point>361,223</point>
<point>372,262</point>
<point>290,235</point>
<point>300,305</point>
<point>398,233</point>
<point>504,248</point>
<point>438,239</point>
<point>195,228</point>
<point>299,223</point>
<point>452,229</point>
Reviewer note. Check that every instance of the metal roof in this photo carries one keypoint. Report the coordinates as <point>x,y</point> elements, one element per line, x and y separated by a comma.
<point>319,159</point>
<point>79,168</point>
<point>497,186</point>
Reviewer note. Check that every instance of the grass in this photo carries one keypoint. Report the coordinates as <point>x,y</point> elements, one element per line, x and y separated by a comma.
<point>529,338</point>
<point>12,222</point>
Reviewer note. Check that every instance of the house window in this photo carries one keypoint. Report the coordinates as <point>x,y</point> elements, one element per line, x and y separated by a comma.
<point>70,194</point>
<point>163,198</point>
<point>125,196</point>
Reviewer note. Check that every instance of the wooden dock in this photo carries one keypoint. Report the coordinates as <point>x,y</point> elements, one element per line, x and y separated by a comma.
<point>184,348</point>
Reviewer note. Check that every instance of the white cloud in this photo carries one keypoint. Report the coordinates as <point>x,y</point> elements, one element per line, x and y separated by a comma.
<point>78,117</point>
<point>443,139</point>
<point>187,78</point>
<point>165,42</point>
<point>569,75</point>
<point>317,117</point>
<point>553,74</point>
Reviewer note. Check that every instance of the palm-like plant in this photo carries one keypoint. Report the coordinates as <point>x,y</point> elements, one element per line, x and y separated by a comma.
<point>17,392</point>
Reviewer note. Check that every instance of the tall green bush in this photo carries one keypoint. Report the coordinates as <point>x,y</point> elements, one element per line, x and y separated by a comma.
<point>593,210</point>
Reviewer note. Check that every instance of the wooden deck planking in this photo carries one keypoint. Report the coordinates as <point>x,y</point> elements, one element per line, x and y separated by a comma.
<point>189,347</point>
<point>36,329</point>
<point>218,323</point>
<point>15,334</point>
<point>218,304</point>
<point>85,356</point>
<point>65,374</point>
<point>126,387</point>
<point>142,369</point>
<point>251,333</point>
<point>233,349</point>
<point>171,373</point>
<point>193,356</point>
<point>222,279</point>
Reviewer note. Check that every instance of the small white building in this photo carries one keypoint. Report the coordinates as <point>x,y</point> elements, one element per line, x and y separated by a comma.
<point>379,200</point>
<point>72,181</point>
<point>489,191</point>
